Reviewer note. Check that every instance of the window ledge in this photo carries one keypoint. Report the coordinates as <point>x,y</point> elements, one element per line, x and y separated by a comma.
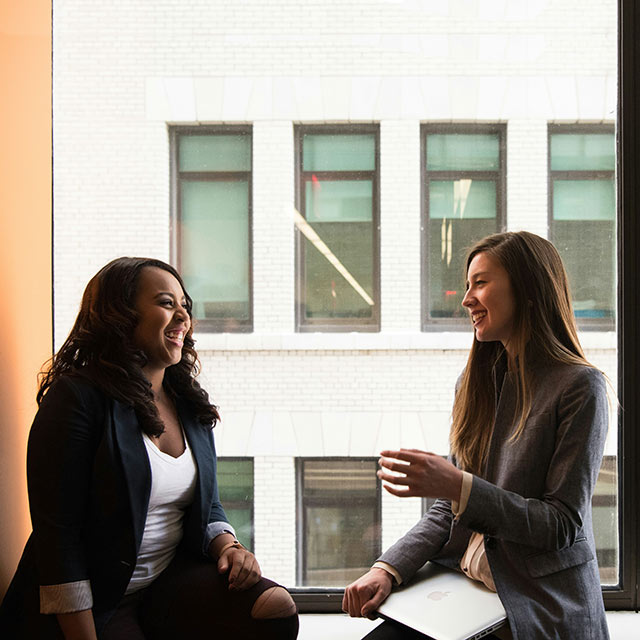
<point>383,341</point>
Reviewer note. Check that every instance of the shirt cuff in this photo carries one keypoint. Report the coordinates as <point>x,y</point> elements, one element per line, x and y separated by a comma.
<point>214,529</point>
<point>458,506</point>
<point>66,598</point>
<point>389,569</point>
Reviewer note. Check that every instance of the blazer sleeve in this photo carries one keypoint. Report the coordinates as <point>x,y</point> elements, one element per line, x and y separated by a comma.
<point>61,448</point>
<point>554,520</point>
<point>422,542</point>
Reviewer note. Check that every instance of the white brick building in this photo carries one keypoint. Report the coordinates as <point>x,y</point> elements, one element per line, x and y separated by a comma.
<point>126,70</point>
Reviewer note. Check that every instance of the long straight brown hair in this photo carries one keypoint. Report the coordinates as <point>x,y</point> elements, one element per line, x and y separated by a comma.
<point>544,330</point>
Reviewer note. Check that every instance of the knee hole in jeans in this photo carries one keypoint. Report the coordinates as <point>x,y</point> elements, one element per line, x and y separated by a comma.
<point>273,603</point>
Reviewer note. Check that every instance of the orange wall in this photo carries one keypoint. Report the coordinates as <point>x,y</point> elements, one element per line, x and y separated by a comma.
<point>25,252</point>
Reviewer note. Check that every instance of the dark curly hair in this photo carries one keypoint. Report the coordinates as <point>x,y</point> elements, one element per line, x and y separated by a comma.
<point>100,347</point>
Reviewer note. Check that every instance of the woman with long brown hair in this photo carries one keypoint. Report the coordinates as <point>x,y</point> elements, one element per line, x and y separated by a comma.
<point>530,419</point>
<point>130,541</point>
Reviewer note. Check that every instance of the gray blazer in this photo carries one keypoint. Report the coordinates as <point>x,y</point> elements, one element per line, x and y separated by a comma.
<point>533,505</point>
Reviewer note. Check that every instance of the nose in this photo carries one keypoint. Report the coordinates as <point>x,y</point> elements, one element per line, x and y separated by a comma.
<point>182,314</point>
<point>468,300</point>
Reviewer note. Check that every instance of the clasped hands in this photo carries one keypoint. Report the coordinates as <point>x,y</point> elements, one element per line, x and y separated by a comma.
<point>416,473</point>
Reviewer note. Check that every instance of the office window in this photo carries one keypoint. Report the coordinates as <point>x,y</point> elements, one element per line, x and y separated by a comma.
<point>339,516</point>
<point>463,169</point>
<point>582,208</point>
<point>337,229</point>
<point>212,234</point>
<point>235,486</point>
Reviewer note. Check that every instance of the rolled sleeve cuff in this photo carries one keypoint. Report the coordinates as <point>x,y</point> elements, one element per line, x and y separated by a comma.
<point>458,507</point>
<point>66,598</point>
<point>389,569</point>
<point>214,529</point>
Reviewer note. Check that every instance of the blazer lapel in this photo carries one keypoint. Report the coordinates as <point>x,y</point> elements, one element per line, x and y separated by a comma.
<point>198,438</point>
<point>135,463</point>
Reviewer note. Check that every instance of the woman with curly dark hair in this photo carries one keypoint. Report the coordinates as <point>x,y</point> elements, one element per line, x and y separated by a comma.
<point>129,539</point>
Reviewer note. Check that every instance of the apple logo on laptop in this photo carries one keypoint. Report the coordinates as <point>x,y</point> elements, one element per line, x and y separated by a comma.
<point>438,595</point>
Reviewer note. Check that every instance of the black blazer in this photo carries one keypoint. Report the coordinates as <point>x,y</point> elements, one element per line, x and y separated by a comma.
<point>89,482</point>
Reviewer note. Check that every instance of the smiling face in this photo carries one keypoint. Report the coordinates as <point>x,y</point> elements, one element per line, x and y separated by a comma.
<point>490,300</point>
<point>163,321</point>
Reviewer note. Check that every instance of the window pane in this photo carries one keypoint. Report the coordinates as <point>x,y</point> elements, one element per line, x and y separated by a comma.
<point>344,152</point>
<point>214,153</point>
<point>341,511</point>
<point>587,248</point>
<point>463,152</point>
<point>215,247</point>
<point>339,285</point>
<point>584,200</point>
<point>582,151</point>
<point>605,520</point>
<point>462,199</point>
<point>448,243</point>
<point>338,200</point>
<point>235,486</point>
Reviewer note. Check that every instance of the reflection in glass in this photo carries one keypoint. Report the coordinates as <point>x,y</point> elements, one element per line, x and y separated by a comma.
<point>462,173</point>
<point>338,239</point>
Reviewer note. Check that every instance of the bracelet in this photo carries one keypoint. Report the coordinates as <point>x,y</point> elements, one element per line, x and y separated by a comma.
<point>235,543</point>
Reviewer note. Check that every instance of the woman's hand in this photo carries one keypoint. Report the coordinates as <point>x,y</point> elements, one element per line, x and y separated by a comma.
<point>367,593</point>
<point>244,570</point>
<point>423,474</point>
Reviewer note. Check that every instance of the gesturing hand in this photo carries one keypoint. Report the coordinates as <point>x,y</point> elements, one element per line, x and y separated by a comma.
<point>244,570</point>
<point>423,474</point>
<point>367,593</point>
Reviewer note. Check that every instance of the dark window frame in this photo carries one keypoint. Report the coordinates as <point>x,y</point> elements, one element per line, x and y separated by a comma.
<point>308,597</point>
<point>584,324</point>
<point>209,325</point>
<point>226,503</point>
<point>329,325</point>
<point>428,323</point>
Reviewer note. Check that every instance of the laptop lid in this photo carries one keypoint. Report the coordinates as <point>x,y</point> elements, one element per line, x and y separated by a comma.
<point>445,605</point>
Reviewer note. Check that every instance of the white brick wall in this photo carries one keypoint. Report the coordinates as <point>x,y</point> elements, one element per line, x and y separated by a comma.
<point>125,69</point>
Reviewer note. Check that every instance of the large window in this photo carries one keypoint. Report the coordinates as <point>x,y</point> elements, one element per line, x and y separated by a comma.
<point>337,229</point>
<point>339,517</point>
<point>463,201</point>
<point>582,212</point>
<point>235,486</point>
<point>212,238</point>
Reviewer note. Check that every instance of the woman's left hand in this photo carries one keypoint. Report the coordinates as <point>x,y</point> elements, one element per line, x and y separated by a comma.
<point>244,570</point>
<point>423,474</point>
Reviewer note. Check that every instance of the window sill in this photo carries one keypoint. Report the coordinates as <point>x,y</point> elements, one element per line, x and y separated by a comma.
<point>383,341</point>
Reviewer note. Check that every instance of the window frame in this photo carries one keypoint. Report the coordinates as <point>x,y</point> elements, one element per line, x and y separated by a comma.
<point>209,325</point>
<point>626,595</point>
<point>328,325</point>
<point>224,503</point>
<point>584,324</point>
<point>429,324</point>
<point>301,542</point>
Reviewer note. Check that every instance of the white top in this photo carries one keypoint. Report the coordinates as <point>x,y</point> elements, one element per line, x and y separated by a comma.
<point>173,482</point>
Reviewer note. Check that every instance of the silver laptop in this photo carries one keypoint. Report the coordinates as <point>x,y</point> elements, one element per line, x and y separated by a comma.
<point>445,605</point>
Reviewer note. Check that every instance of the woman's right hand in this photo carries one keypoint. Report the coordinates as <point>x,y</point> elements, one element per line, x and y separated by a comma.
<point>366,594</point>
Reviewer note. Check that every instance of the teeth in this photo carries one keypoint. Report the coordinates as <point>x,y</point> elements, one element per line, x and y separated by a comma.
<point>478,316</point>
<point>176,335</point>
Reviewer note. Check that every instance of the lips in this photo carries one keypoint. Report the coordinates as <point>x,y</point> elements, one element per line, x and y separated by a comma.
<point>476,316</point>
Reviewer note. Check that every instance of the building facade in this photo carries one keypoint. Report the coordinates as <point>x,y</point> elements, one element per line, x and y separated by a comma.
<point>316,170</point>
